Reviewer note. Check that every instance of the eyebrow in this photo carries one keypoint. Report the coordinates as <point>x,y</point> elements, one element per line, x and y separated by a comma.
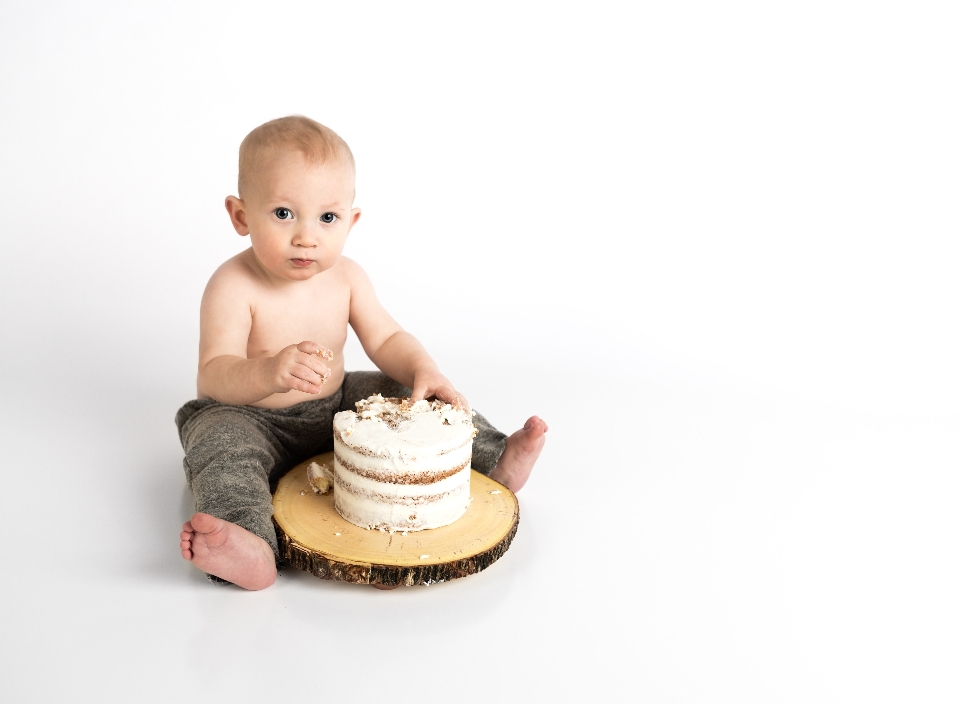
<point>327,206</point>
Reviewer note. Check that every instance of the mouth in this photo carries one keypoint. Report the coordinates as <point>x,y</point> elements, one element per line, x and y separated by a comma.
<point>302,263</point>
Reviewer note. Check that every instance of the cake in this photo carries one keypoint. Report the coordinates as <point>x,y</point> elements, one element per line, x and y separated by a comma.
<point>320,477</point>
<point>400,466</point>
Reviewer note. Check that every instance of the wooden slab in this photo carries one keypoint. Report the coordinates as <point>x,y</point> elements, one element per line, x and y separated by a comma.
<point>313,536</point>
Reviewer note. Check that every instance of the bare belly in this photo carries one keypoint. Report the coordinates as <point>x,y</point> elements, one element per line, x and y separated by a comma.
<point>292,398</point>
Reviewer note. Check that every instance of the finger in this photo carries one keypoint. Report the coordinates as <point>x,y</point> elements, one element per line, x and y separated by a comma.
<point>312,371</point>
<point>312,363</point>
<point>453,397</point>
<point>300,384</point>
<point>315,349</point>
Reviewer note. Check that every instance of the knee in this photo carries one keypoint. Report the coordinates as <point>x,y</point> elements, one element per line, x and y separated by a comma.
<point>240,458</point>
<point>227,442</point>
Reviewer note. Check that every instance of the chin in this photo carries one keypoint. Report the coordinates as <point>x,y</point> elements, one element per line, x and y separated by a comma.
<point>298,273</point>
<point>301,274</point>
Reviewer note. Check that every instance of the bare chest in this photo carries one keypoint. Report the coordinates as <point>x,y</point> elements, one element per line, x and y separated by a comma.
<point>318,314</point>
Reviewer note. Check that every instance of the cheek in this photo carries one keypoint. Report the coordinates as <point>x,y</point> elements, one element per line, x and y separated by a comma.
<point>335,238</point>
<point>267,243</point>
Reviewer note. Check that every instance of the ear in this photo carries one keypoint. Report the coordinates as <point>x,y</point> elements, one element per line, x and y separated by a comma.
<point>238,215</point>
<point>353,217</point>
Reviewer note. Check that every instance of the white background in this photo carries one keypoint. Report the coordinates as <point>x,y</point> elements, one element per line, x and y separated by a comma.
<point>714,245</point>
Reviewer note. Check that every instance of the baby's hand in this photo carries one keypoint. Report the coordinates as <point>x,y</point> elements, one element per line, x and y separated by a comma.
<point>298,367</point>
<point>429,384</point>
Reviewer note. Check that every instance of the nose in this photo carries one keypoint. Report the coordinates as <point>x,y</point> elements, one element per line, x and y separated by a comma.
<point>306,236</point>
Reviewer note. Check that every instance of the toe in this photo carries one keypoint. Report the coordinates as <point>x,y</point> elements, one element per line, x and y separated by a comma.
<point>205,523</point>
<point>535,426</point>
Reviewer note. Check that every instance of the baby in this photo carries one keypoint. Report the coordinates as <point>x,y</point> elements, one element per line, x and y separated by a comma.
<point>273,322</point>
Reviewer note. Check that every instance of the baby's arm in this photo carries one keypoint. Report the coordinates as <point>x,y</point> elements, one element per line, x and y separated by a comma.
<point>396,352</point>
<point>225,373</point>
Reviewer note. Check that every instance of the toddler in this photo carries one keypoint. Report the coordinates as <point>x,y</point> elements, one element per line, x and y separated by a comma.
<point>273,322</point>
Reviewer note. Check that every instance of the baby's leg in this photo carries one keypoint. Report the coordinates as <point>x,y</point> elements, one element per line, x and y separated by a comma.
<point>230,453</point>
<point>488,445</point>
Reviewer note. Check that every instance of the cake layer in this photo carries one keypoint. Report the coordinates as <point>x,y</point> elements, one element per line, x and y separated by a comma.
<point>377,507</point>
<point>402,468</point>
<point>345,476</point>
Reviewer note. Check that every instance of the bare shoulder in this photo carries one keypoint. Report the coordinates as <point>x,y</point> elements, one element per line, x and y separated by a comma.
<point>351,272</point>
<point>236,284</point>
<point>354,280</point>
<point>234,275</point>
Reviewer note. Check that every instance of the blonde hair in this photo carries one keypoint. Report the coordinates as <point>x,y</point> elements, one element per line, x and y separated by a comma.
<point>316,142</point>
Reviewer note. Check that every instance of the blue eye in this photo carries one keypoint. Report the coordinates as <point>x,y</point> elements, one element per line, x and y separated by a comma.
<point>283,214</point>
<point>328,218</point>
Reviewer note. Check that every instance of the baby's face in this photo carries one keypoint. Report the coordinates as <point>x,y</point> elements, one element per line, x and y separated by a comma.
<point>297,214</point>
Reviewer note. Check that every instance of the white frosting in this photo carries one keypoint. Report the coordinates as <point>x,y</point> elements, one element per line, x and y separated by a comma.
<point>389,429</point>
<point>401,466</point>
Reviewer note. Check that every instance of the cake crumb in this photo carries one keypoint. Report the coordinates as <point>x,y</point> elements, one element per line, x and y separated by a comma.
<point>495,491</point>
<point>302,493</point>
<point>336,534</point>
<point>320,477</point>
<point>424,557</point>
<point>404,534</point>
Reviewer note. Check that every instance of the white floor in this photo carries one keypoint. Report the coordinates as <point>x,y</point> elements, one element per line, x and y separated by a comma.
<point>715,248</point>
<point>703,546</point>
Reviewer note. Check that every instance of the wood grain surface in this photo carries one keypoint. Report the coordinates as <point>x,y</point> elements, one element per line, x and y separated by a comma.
<point>314,537</point>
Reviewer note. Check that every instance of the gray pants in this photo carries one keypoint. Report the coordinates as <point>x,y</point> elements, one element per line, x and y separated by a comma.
<point>235,455</point>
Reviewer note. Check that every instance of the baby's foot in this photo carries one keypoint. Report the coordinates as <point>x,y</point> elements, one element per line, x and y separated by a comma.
<point>228,551</point>
<point>523,449</point>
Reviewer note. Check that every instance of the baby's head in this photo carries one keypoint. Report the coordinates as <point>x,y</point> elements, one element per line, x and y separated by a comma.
<point>296,188</point>
<point>316,143</point>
